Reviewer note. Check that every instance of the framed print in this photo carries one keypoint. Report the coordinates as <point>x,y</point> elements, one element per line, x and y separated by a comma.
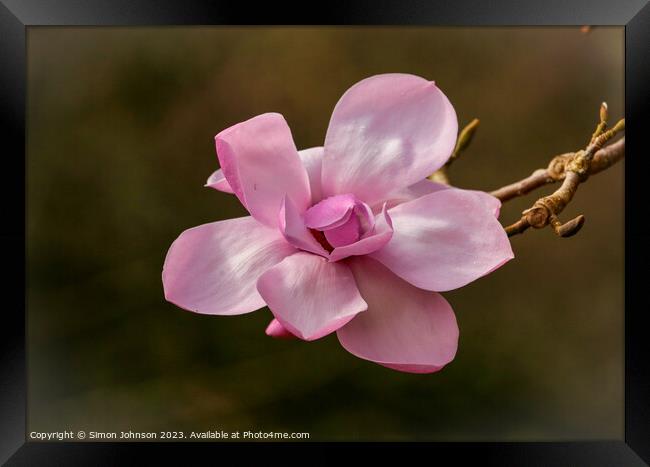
<point>397,226</point>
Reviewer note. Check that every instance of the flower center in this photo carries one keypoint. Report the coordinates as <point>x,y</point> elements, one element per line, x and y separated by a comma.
<point>339,221</point>
<point>320,238</point>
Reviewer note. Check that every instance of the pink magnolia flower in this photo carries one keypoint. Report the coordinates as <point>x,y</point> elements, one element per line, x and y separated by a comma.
<point>349,237</point>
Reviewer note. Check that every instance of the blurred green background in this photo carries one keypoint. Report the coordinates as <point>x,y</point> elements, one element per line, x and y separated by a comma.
<point>120,141</point>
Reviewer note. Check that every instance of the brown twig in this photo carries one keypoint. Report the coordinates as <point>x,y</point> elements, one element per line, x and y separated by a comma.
<point>555,171</point>
<point>572,169</point>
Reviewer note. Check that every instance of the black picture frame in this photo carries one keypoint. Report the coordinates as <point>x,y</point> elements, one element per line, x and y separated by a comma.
<point>17,15</point>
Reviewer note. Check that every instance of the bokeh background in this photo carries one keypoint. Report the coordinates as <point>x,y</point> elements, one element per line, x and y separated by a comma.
<point>120,141</point>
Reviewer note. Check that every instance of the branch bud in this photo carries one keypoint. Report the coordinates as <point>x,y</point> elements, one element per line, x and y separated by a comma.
<point>603,112</point>
<point>465,137</point>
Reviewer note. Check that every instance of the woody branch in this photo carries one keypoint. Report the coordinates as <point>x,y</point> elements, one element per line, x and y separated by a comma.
<point>572,169</point>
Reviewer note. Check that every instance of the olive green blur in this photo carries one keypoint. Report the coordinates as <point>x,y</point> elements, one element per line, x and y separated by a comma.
<point>120,142</point>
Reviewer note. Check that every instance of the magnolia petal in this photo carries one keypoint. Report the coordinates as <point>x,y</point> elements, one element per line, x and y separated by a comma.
<point>213,268</point>
<point>490,202</point>
<point>445,240</point>
<point>405,328</point>
<point>309,296</point>
<point>260,161</point>
<point>330,212</point>
<point>293,228</point>
<point>218,181</point>
<point>366,218</point>
<point>411,192</point>
<point>275,329</point>
<point>345,234</point>
<point>312,160</point>
<point>387,129</point>
<point>426,187</point>
<point>380,236</point>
